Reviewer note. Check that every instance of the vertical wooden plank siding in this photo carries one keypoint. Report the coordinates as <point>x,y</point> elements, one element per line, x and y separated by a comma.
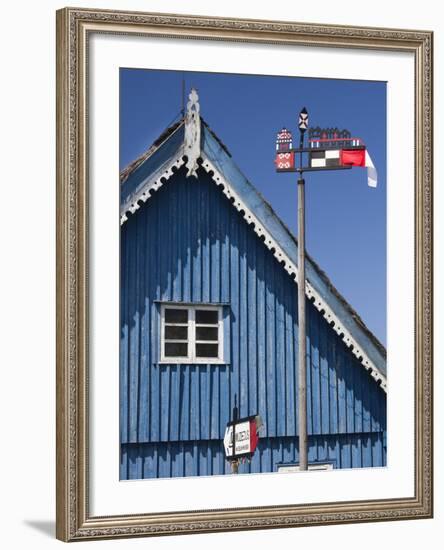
<point>205,457</point>
<point>188,244</point>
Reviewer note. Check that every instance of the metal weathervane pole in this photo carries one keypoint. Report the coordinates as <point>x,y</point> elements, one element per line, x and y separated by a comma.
<point>286,162</point>
<point>302,371</point>
<point>327,149</point>
<point>235,463</point>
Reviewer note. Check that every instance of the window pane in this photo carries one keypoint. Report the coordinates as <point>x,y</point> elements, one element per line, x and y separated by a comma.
<point>176,315</point>
<point>176,349</point>
<point>207,316</point>
<point>206,333</point>
<point>207,350</point>
<point>176,333</point>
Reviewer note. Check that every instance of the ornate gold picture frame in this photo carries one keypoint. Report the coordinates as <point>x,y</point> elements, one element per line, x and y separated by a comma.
<point>75,518</point>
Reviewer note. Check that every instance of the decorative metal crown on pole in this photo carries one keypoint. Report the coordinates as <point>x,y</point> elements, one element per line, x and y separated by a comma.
<point>284,140</point>
<point>303,120</point>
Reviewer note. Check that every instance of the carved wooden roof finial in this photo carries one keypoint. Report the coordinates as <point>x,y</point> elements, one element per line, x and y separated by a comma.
<point>192,133</point>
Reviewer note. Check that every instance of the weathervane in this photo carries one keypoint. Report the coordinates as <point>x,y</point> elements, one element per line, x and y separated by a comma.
<point>328,149</point>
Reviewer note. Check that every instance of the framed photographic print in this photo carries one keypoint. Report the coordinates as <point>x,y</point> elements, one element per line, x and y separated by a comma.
<point>237,198</point>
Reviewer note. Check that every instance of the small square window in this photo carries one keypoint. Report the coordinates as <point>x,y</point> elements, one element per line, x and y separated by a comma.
<point>176,332</point>
<point>176,349</point>
<point>207,333</point>
<point>207,350</point>
<point>191,334</point>
<point>207,316</point>
<point>173,315</point>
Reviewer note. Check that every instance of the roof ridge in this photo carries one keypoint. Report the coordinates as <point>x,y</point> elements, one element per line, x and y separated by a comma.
<point>157,143</point>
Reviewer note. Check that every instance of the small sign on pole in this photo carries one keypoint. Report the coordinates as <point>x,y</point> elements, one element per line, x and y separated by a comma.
<point>241,437</point>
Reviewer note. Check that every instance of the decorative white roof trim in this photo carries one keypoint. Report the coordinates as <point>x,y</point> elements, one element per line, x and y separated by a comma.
<point>145,193</point>
<point>270,243</point>
<point>291,268</point>
<point>192,133</point>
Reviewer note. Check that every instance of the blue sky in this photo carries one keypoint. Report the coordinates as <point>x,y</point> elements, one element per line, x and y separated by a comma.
<point>345,219</point>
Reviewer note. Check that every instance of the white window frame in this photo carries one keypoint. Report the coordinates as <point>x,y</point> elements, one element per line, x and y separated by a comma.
<point>191,359</point>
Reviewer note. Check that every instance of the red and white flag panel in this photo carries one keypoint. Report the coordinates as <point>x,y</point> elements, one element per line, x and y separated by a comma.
<point>352,157</point>
<point>345,157</point>
<point>284,161</point>
<point>372,174</point>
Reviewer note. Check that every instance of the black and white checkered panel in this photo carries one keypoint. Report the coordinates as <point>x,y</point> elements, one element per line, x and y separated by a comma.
<point>324,159</point>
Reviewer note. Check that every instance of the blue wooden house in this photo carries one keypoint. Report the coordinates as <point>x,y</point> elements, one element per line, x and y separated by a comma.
<point>209,315</point>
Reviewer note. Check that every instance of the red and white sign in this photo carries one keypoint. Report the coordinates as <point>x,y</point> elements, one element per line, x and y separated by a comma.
<point>245,438</point>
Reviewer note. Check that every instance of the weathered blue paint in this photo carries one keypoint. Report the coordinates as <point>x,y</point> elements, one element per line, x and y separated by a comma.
<point>188,244</point>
